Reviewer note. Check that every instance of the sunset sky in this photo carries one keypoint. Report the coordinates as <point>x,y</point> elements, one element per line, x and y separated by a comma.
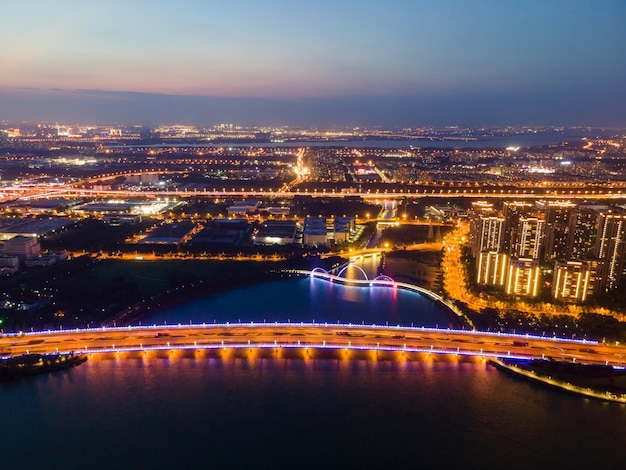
<point>400,62</point>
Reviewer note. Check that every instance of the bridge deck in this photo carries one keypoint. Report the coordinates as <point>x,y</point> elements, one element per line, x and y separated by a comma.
<point>312,335</point>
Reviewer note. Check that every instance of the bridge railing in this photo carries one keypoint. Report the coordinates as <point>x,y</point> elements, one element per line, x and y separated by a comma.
<point>302,324</point>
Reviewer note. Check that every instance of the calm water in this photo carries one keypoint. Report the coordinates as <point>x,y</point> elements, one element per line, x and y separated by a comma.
<point>272,413</point>
<point>252,411</point>
<point>521,140</point>
<point>308,300</point>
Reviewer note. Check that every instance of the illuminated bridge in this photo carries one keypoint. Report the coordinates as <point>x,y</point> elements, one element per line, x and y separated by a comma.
<point>307,339</point>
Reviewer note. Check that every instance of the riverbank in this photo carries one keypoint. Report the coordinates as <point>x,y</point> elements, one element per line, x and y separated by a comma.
<point>193,292</point>
<point>27,365</point>
<point>234,276</point>
<point>581,383</point>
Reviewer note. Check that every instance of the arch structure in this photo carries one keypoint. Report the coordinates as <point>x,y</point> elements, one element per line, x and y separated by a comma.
<point>384,281</point>
<point>351,265</point>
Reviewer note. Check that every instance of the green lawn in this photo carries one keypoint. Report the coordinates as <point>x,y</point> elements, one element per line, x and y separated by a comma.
<point>154,276</point>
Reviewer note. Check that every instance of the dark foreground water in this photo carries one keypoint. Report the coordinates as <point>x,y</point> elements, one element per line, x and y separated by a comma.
<point>276,413</point>
<point>265,411</point>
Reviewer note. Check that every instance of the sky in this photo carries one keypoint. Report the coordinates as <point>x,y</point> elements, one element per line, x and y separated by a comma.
<point>326,63</point>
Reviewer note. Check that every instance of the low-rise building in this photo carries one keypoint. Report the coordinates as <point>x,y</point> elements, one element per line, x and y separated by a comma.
<point>243,207</point>
<point>46,259</point>
<point>116,220</point>
<point>276,233</point>
<point>222,232</point>
<point>315,232</point>
<point>444,212</point>
<point>9,264</point>
<point>278,211</point>
<point>25,248</point>
<point>169,233</point>
<point>344,227</point>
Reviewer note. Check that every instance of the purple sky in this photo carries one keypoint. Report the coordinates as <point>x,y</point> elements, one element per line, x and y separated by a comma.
<point>331,62</point>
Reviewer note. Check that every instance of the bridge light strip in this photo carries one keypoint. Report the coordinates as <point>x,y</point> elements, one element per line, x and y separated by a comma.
<point>307,346</point>
<point>275,345</point>
<point>333,326</point>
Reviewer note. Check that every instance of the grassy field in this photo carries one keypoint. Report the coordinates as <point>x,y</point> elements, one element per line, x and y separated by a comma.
<point>154,276</point>
<point>84,290</point>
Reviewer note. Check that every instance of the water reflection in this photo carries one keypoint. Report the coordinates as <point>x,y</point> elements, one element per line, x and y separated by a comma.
<point>306,300</point>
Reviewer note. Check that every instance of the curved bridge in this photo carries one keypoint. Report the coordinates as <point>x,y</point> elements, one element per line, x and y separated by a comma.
<point>395,341</point>
<point>380,281</point>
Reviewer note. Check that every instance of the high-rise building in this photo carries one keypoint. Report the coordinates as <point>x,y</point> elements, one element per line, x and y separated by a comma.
<point>481,211</point>
<point>488,234</point>
<point>512,211</point>
<point>582,232</point>
<point>492,268</point>
<point>557,217</point>
<point>523,277</point>
<point>529,237</point>
<point>610,250</point>
<point>587,244</point>
<point>573,281</point>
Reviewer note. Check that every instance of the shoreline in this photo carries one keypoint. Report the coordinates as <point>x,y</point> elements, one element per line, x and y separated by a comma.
<point>560,385</point>
<point>137,313</point>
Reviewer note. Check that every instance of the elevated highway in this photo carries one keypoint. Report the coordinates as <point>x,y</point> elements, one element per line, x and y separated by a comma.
<point>537,193</point>
<point>84,188</point>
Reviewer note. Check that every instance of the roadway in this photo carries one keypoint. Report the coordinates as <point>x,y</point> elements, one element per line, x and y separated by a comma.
<point>311,336</point>
<point>526,193</point>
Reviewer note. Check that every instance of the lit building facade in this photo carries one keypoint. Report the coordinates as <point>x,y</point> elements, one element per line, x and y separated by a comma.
<point>492,268</point>
<point>557,217</point>
<point>573,281</point>
<point>529,237</point>
<point>488,234</point>
<point>585,244</point>
<point>512,211</point>
<point>610,250</point>
<point>523,277</point>
<point>583,229</point>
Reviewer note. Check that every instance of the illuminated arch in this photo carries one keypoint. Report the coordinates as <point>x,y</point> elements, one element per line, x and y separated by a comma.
<point>384,279</point>
<point>345,268</point>
<point>318,271</point>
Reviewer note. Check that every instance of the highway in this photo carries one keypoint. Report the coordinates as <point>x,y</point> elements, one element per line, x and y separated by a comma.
<point>311,336</point>
<point>535,193</point>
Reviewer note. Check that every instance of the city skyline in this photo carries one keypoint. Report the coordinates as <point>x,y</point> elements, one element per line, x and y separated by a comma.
<point>352,234</point>
<point>405,63</point>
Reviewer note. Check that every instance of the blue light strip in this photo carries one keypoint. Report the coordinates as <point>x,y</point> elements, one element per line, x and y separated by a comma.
<point>334,326</point>
<point>304,346</point>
